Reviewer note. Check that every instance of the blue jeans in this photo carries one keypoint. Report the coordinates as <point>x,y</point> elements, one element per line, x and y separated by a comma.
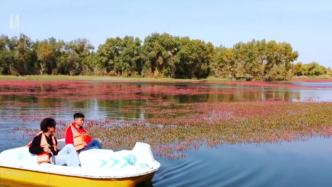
<point>94,144</point>
<point>67,156</point>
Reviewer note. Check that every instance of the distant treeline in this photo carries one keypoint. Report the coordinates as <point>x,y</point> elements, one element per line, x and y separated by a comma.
<point>159,55</point>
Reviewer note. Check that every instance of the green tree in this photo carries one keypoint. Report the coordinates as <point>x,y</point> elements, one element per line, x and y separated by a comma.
<point>249,60</point>
<point>160,55</point>
<point>160,51</point>
<point>23,56</point>
<point>223,63</point>
<point>90,64</point>
<point>121,56</point>
<point>74,58</point>
<point>193,59</point>
<point>314,69</point>
<point>298,69</point>
<point>6,55</point>
<point>49,53</point>
<point>279,56</point>
<point>310,69</point>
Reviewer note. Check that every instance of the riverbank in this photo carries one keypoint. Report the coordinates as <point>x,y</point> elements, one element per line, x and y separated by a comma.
<point>94,78</point>
<point>322,78</point>
<point>325,78</point>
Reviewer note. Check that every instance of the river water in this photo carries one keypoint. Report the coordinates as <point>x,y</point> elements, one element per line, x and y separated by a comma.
<point>304,162</point>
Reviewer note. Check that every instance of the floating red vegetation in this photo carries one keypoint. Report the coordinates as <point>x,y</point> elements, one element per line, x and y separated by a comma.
<point>175,117</point>
<point>225,123</point>
<point>80,90</point>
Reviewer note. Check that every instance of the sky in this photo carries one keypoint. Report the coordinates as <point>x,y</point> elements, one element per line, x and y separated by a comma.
<point>306,24</point>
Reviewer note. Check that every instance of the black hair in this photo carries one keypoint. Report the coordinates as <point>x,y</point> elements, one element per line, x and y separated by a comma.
<point>78,115</point>
<point>47,123</point>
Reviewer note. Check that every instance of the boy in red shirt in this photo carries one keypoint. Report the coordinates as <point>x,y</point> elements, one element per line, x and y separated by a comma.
<point>77,135</point>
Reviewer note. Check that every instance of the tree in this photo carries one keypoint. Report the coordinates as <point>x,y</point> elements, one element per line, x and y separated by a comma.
<point>314,69</point>
<point>160,55</point>
<point>223,63</point>
<point>121,56</point>
<point>49,53</point>
<point>160,51</point>
<point>298,69</point>
<point>280,56</point>
<point>74,58</point>
<point>24,56</point>
<point>6,55</point>
<point>249,61</point>
<point>310,69</point>
<point>90,64</point>
<point>329,71</point>
<point>255,60</point>
<point>193,59</point>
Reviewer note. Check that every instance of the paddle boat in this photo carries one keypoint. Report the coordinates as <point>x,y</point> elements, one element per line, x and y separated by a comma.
<point>99,168</point>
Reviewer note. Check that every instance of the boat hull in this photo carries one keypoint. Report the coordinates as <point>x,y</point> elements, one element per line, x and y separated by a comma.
<point>21,177</point>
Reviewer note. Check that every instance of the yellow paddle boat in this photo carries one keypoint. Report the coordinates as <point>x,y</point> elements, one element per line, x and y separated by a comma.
<point>99,168</point>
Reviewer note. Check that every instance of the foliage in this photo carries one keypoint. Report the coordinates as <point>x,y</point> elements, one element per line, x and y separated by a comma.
<point>121,56</point>
<point>311,69</point>
<point>158,55</point>
<point>255,60</point>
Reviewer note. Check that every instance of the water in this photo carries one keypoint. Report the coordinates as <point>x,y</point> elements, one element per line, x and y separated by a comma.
<point>296,163</point>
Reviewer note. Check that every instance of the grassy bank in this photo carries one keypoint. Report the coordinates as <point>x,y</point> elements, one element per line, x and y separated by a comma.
<point>140,79</point>
<point>91,78</point>
<point>313,78</point>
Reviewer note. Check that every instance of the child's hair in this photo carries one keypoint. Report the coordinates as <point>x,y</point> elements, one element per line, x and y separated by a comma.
<point>78,115</point>
<point>47,122</point>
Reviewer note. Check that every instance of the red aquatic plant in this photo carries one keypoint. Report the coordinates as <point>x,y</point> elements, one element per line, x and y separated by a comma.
<point>168,116</point>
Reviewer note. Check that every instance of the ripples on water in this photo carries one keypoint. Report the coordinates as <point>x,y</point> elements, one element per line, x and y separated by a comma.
<point>299,163</point>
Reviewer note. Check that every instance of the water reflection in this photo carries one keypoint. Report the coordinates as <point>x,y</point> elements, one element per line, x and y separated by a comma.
<point>102,100</point>
<point>98,106</point>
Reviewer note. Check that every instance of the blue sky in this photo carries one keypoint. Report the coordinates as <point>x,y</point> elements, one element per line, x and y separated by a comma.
<point>306,24</point>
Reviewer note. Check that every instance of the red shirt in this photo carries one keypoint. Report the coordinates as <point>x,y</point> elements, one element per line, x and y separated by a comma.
<point>69,135</point>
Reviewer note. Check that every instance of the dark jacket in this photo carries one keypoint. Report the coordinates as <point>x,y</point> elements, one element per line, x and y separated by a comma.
<point>36,149</point>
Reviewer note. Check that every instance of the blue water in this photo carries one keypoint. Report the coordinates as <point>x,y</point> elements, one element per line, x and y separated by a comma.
<point>305,163</point>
